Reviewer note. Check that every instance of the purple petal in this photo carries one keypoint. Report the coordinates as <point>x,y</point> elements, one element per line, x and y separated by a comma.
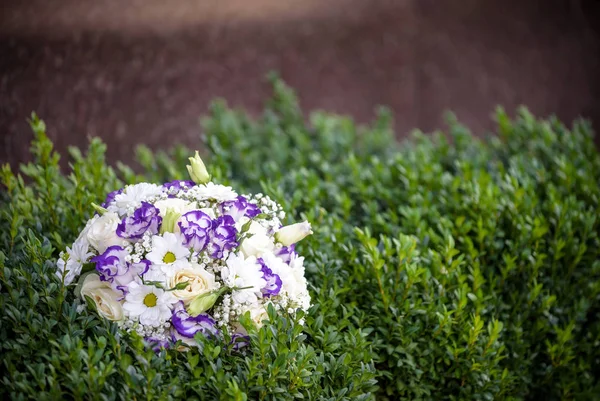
<point>195,227</point>
<point>286,253</point>
<point>238,208</point>
<point>111,197</point>
<point>145,218</point>
<point>173,187</point>
<point>223,236</point>
<point>111,263</point>
<point>273,280</point>
<point>188,326</point>
<point>157,345</point>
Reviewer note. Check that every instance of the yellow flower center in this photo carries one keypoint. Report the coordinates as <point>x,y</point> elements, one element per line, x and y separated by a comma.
<point>169,257</point>
<point>150,300</point>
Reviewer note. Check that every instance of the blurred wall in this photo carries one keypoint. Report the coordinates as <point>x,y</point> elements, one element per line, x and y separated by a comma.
<point>135,71</point>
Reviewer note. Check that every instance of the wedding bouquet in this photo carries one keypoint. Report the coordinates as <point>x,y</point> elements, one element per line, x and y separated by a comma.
<point>186,257</point>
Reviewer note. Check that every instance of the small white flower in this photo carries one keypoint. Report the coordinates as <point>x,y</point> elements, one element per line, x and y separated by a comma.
<point>258,243</point>
<point>133,196</point>
<point>151,304</point>
<point>105,298</point>
<point>246,274</point>
<point>167,249</point>
<point>77,256</point>
<point>217,192</point>
<point>103,232</point>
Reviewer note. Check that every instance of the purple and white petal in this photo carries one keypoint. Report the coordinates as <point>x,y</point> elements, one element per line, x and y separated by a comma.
<point>286,253</point>
<point>188,326</point>
<point>176,186</point>
<point>273,280</point>
<point>111,197</point>
<point>111,263</point>
<point>195,227</point>
<point>145,218</point>
<point>239,340</point>
<point>223,237</point>
<point>238,208</point>
<point>157,344</point>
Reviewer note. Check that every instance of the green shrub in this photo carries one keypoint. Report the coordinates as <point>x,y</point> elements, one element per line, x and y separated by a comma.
<point>445,267</point>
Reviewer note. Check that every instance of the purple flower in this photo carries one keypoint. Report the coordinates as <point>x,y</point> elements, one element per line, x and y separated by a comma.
<point>273,280</point>
<point>223,236</point>
<point>195,227</point>
<point>188,326</point>
<point>157,345</point>
<point>286,253</point>
<point>239,208</point>
<point>145,218</point>
<point>113,268</point>
<point>111,197</point>
<point>239,340</point>
<point>111,263</point>
<point>173,187</point>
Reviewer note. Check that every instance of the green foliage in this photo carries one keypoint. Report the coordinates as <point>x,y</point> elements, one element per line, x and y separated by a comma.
<point>443,268</point>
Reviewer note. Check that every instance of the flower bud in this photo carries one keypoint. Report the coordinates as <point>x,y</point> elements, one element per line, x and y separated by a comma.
<point>99,209</point>
<point>197,170</point>
<point>203,302</point>
<point>291,234</point>
<point>169,221</point>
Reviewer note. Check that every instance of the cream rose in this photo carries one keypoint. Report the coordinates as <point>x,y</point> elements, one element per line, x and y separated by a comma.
<point>258,243</point>
<point>258,313</point>
<point>103,232</point>
<point>105,298</point>
<point>199,282</point>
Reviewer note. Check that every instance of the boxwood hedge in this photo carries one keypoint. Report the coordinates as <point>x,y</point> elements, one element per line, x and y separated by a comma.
<point>443,268</point>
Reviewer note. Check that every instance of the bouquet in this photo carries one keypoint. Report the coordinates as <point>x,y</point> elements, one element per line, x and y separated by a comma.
<point>186,257</point>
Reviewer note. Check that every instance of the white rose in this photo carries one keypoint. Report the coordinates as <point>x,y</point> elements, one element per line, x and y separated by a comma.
<point>103,232</point>
<point>177,205</point>
<point>258,243</point>
<point>258,313</point>
<point>104,297</point>
<point>199,282</point>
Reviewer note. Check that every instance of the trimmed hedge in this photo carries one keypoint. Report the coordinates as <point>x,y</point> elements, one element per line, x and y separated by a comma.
<point>442,268</point>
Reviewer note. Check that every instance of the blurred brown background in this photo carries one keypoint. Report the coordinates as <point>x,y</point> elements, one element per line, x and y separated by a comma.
<point>135,71</point>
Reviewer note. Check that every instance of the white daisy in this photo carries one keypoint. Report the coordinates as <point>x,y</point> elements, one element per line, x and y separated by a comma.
<point>155,273</point>
<point>167,249</point>
<point>246,274</point>
<point>152,305</point>
<point>133,195</point>
<point>217,192</point>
